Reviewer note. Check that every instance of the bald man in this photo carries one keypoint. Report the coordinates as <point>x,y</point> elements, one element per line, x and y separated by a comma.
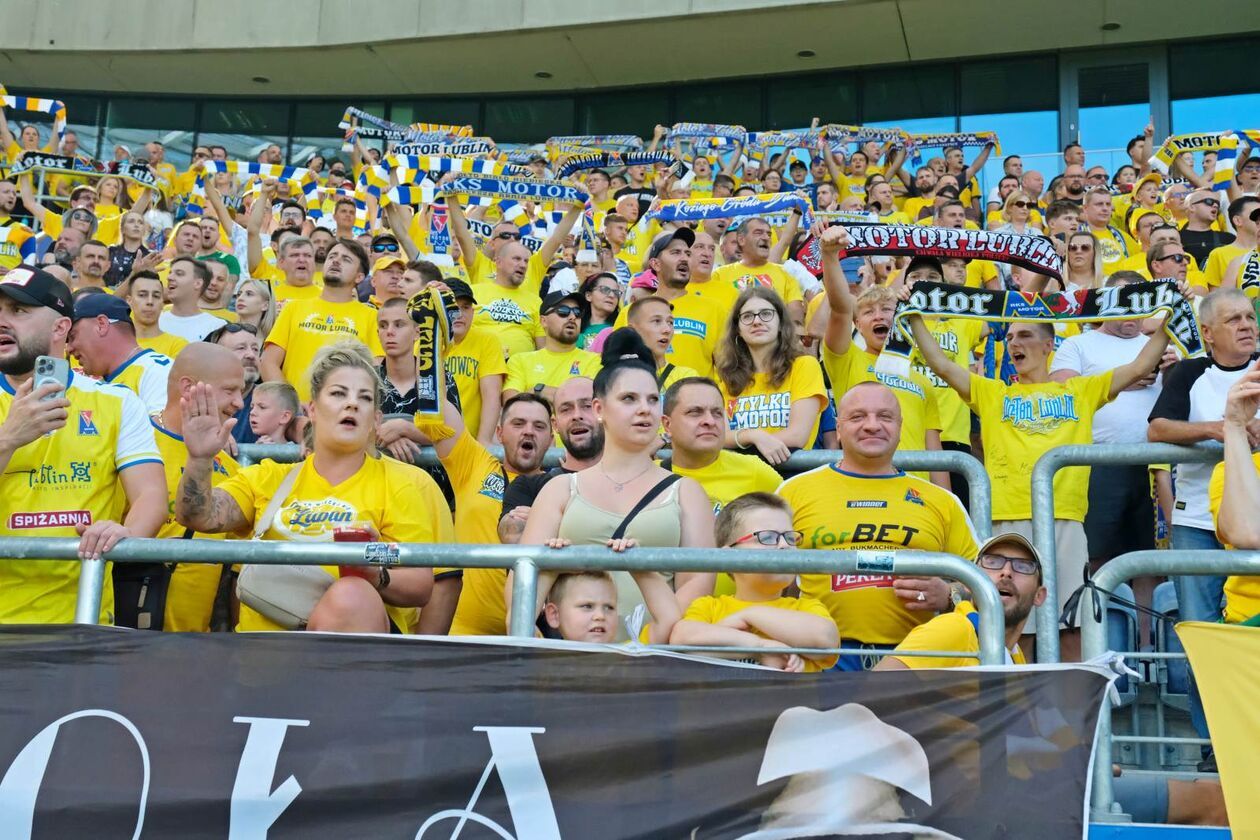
<point>193,586</point>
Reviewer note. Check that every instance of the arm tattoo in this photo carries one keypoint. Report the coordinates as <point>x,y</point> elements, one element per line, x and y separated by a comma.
<point>205,509</point>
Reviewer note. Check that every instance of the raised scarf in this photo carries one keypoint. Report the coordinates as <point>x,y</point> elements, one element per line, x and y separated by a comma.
<point>433,311</point>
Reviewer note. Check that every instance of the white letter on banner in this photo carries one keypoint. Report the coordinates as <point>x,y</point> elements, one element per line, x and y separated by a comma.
<point>512,753</point>
<point>20,785</point>
<point>254,805</point>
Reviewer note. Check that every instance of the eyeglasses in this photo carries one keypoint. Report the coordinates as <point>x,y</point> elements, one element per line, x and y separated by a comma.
<point>1097,176</point>
<point>766,315</point>
<point>339,172</point>
<point>770,537</point>
<point>1177,258</point>
<point>1021,204</point>
<point>1019,565</point>
<point>1210,202</point>
<point>1080,248</point>
<point>606,290</point>
<point>507,235</point>
<point>567,311</point>
<point>381,247</point>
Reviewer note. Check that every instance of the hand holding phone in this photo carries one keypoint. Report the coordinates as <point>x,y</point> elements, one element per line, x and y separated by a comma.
<point>49,369</point>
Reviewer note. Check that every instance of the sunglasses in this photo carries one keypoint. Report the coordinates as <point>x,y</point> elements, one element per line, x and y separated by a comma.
<point>1021,204</point>
<point>506,235</point>
<point>1255,215</point>
<point>567,311</point>
<point>1177,258</point>
<point>233,327</point>
<point>766,315</point>
<point>1019,565</point>
<point>771,537</point>
<point>382,247</point>
<point>1210,202</point>
<point>606,290</point>
<point>1080,247</point>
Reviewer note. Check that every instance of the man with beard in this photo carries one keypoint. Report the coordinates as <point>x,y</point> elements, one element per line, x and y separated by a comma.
<point>1013,565</point>
<point>65,249</point>
<point>243,341</point>
<point>90,265</point>
<point>754,268</point>
<point>582,437</point>
<point>1074,183</point>
<point>479,482</point>
<point>70,459</point>
<point>542,371</point>
<point>304,326</point>
<point>1199,236</point>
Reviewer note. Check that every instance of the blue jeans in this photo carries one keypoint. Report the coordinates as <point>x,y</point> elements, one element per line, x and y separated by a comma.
<point>1199,598</point>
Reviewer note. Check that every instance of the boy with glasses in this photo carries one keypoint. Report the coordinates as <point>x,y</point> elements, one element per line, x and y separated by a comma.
<point>1013,565</point>
<point>758,615</point>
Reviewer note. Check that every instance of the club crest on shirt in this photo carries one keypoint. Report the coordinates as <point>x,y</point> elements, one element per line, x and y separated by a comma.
<point>504,311</point>
<point>493,486</point>
<point>86,427</point>
<point>914,497</point>
<point>574,369</point>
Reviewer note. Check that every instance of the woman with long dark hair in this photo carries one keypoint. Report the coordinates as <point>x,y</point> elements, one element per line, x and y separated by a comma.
<point>600,296</point>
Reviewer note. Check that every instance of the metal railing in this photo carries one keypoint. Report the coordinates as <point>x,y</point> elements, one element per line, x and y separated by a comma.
<point>1097,455</point>
<point>1094,637</point>
<point>525,562</point>
<point>980,503</point>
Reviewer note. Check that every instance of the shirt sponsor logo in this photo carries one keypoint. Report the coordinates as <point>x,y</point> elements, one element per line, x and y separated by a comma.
<point>847,583</point>
<point>690,326</point>
<point>760,411</point>
<point>881,534</point>
<point>87,428</point>
<point>492,487</point>
<point>48,475</point>
<point>329,325</point>
<point>867,503</point>
<point>914,498</point>
<point>315,518</point>
<point>28,520</point>
<point>1037,414</point>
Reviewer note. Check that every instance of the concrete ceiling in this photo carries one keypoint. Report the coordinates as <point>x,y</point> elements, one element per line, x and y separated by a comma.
<point>378,48</point>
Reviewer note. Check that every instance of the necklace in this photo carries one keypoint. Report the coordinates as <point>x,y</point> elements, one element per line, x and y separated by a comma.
<point>618,486</point>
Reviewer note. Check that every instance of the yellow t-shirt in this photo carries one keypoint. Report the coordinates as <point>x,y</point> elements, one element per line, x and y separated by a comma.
<point>914,206</point>
<point>730,280</point>
<point>543,367</point>
<point>1242,592</point>
<point>477,356</point>
<point>305,326</point>
<point>1218,260</point>
<point>482,273</point>
<point>165,343</point>
<point>699,322</point>
<point>400,501</point>
<point>508,315</point>
<point>840,510</point>
<point>15,242</point>
<point>107,230</point>
<point>948,631</point>
<point>65,478</point>
<point>284,293</point>
<point>957,337</point>
<point>711,609</point>
<point>1114,245</point>
<point>1019,423</point>
<point>193,586</point>
<point>980,273</point>
<point>478,479</point>
<point>766,407</point>
<point>919,410</point>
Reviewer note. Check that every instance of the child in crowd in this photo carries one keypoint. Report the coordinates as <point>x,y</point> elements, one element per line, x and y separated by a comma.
<point>758,614</point>
<point>273,411</point>
<point>582,607</point>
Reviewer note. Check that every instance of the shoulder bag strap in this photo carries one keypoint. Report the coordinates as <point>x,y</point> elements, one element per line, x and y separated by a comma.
<point>664,375</point>
<point>656,490</point>
<point>277,499</point>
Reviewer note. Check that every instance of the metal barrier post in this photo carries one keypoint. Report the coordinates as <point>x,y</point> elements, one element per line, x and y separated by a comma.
<point>527,560</point>
<point>1048,465</point>
<point>524,596</point>
<point>1094,636</point>
<point>87,608</point>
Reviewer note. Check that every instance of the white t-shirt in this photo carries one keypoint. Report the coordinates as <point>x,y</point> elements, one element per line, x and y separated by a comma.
<point>1123,420</point>
<point>189,327</point>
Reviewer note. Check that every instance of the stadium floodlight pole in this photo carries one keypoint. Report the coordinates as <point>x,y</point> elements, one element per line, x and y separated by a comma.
<point>1096,455</point>
<point>1094,635</point>
<point>528,560</point>
<point>980,504</point>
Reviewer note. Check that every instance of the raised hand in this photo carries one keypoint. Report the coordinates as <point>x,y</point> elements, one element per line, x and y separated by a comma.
<point>205,432</point>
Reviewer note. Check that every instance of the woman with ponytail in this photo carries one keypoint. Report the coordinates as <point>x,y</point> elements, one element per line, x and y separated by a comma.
<point>592,506</point>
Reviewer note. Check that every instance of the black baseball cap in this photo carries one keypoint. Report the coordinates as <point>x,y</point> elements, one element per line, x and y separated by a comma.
<point>36,287</point>
<point>551,301</point>
<point>661,242</point>
<point>113,308</point>
<point>459,289</point>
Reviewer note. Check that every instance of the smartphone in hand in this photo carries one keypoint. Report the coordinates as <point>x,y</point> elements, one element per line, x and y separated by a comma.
<point>51,369</point>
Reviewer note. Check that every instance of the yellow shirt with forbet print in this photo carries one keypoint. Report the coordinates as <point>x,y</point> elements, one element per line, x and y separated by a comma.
<point>768,407</point>
<point>712,609</point>
<point>400,501</point>
<point>836,509</point>
<point>729,280</point>
<point>306,326</point>
<point>1242,592</point>
<point>508,315</point>
<point>193,586</point>
<point>1019,423</point>
<point>66,478</point>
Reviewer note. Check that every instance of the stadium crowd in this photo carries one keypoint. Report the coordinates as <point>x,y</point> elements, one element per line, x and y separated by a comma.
<point>244,302</point>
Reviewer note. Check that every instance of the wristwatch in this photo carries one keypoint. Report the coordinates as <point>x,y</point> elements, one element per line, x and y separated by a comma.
<point>958,593</point>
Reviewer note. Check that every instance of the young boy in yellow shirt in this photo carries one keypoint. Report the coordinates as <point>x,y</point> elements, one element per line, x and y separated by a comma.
<point>582,606</point>
<point>758,614</point>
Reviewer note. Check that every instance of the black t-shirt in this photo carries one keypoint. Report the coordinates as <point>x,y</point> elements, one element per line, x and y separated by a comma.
<point>524,489</point>
<point>1199,243</point>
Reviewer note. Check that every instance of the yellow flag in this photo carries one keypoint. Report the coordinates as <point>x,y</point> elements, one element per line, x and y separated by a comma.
<point>1226,662</point>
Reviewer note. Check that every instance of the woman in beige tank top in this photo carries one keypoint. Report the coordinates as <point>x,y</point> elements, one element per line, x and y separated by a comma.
<point>586,507</point>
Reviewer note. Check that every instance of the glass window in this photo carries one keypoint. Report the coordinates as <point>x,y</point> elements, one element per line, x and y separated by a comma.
<point>726,103</point>
<point>1009,84</point>
<point>1213,113</point>
<point>83,118</point>
<point>245,127</point>
<point>449,111</point>
<point>1212,68</point>
<point>794,102</point>
<point>315,129</point>
<point>908,93</point>
<point>521,120</point>
<point>134,122</point>
<point>1114,108</point>
<point>1033,136</point>
<point>624,112</point>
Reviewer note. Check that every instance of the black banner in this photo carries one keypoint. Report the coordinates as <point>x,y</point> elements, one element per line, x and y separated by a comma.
<point>300,735</point>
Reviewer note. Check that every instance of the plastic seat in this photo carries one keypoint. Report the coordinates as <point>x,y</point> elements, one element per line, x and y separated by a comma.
<point>1122,636</point>
<point>1175,681</point>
